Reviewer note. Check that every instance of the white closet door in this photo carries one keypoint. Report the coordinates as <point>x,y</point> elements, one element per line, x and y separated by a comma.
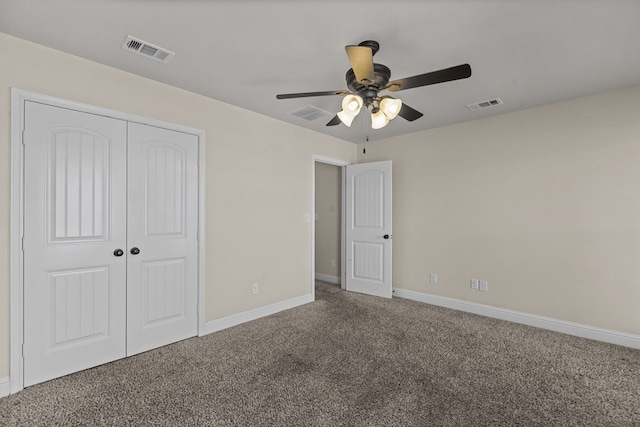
<point>74,220</point>
<point>162,237</point>
<point>369,229</point>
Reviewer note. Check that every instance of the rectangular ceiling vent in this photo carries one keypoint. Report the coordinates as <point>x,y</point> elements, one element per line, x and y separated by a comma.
<point>484,104</point>
<point>149,50</point>
<point>309,113</point>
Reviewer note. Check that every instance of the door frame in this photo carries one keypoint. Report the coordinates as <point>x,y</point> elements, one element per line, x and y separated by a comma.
<point>18,99</point>
<point>342,164</point>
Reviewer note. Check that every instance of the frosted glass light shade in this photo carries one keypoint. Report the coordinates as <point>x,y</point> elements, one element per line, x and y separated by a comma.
<point>391,107</point>
<point>346,118</point>
<point>378,119</point>
<point>352,104</point>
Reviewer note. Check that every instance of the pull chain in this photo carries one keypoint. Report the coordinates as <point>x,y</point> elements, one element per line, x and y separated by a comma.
<point>366,123</point>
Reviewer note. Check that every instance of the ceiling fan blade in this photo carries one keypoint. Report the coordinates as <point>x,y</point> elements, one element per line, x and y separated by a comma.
<point>361,59</point>
<point>408,113</point>
<point>448,74</point>
<point>335,121</point>
<point>309,94</point>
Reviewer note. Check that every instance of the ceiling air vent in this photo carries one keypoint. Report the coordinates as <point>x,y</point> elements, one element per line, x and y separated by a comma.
<point>149,50</point>
<point>484,104</point>
<point>309,113</point>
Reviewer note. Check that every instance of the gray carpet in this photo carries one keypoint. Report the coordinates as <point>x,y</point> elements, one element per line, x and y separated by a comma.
<point>351,360</point>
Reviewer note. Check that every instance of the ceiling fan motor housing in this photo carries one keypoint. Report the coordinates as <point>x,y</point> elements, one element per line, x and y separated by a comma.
<point>369,92</point>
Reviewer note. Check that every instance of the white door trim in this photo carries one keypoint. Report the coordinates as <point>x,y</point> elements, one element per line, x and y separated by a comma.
<point>18,98</point>
<point>321,159</point>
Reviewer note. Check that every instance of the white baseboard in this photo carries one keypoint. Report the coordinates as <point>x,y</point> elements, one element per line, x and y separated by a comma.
<point>247,316</point>
<point>329,279</point>
<point>5,387</point>
<point>570,328</point>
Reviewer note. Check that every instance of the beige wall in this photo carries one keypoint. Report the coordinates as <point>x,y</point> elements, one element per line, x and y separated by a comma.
<point>258,176</point>
<point>543,203</point>
<point>329,214</point>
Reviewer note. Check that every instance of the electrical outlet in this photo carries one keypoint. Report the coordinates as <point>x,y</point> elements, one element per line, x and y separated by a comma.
<point>484,286</point>
<point>256,288</point>
<point>433,278</point>
<point>333,263</point>
<point>474,284</point>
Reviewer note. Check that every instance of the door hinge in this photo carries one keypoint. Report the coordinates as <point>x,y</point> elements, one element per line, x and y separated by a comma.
<point>22,349</point>
<point>22,243</point>
<point>24,137</point>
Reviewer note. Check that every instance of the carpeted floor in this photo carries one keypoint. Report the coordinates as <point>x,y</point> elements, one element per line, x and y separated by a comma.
<point>351,360</point>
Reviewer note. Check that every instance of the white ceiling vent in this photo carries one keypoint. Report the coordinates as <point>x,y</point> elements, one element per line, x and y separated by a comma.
<point>149,50</point>
<point>309,113</point>
<point>484,104</point>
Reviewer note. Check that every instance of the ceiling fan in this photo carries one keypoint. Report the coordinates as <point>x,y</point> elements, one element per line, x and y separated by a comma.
<point>365,80</point>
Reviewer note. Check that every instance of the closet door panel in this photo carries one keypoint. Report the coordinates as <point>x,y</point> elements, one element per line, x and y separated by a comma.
<point>162,237</point>
<point>75,217</point>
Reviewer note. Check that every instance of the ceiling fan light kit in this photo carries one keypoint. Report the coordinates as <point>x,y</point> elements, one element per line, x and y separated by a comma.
<point>365,79</point>
<point>387,110</point>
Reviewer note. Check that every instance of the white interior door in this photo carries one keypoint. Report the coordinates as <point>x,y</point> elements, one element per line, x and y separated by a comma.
<point>74,220</point>
<point>162,237</point>
<point>368,229</point>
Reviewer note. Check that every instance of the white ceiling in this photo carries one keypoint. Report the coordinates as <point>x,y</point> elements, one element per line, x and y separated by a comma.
<point>244,52</point>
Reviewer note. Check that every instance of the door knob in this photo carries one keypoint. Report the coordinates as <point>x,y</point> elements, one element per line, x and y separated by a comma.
<point>118,252</point>
<point>386,236</point>
<point>134,251</point>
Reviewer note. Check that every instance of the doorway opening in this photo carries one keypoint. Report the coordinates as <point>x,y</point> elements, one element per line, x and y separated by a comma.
<point>364,248</point>
<point>328,221</point>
